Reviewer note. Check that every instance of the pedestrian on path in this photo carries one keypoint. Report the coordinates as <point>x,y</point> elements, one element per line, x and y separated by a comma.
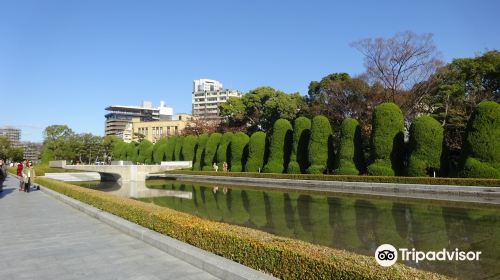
<point>28,176</point>
<point>3,173</point>
<point>19,173</point>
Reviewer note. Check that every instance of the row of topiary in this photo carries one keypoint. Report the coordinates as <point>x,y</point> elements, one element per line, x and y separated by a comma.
<point>308,147</point>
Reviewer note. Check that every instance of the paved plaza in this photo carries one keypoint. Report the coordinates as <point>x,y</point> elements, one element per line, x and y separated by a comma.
<point>43,238</point>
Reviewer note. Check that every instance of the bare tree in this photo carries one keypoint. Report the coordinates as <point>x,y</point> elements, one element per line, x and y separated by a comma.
<point>399,63</point>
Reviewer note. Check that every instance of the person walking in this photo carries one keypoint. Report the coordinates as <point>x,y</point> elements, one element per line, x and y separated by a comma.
<point>28,176</point>
<point>3,173</point>
<point>19,173</point>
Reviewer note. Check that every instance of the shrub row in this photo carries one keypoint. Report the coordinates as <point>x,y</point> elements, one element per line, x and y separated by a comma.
<point>282,257</point>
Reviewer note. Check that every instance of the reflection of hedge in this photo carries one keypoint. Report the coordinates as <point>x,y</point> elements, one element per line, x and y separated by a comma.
<point>350,155</point>
<point>256,152</point>
<point>482,146</point>
<point>321,135</point>
<point>200,151</point>
<point>178,148</point>
<point>142,150</point>
<point>189,147</point>
<point>426,141</point>
<point>280,147</point>
<point>301,134</point>
<point>222,151</point>
<point>239,151</point>
<point>159,150</point>
<point>211,150</point>
<point>169,154</point>
<point>387,140</point>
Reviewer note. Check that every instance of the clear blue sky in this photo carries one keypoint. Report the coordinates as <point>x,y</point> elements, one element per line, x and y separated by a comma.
<point>63,62</point>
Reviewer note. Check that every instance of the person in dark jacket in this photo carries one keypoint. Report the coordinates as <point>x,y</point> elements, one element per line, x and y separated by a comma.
<point>3,173</point>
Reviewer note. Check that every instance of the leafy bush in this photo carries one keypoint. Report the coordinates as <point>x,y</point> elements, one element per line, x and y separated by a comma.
<point>387,141</point>
<point>200,152</point>
<point>178,148</point>
<point>350,159</point>
<point>280,147</point>
<point>148,155</point>
<point>131,152</point>
<point>222,151</point>
<point>170,149</point>
<point>282,257</point>
<point>238,151</point>
<point>481,153</point>
<point>211,151</point>
<point>426,142</point>
<point>321,135</point>
<point>143,151</point>
<point>159,150</point>
<point>119,150</point>
<point>301,134</point>
<point>188,150</point>
<point>256,152</point>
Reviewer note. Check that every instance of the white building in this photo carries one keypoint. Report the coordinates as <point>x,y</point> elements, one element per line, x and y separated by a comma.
<point>206,97</point>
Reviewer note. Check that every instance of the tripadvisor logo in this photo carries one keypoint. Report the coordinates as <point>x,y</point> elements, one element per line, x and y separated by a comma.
<point>387,255</point>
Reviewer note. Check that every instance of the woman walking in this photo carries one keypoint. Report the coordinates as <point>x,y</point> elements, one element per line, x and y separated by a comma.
<point>28,176</point>
<point>19,173</point>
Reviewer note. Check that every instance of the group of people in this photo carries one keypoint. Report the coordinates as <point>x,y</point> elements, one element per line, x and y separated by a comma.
<point>26,172</point>
<point>225,167</point>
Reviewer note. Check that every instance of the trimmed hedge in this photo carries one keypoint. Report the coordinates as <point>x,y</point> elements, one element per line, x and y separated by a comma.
<point>131,152</point>
<point>354,178</point>
<point>321,136</point>
<point>301,135</point>
<point>189,147</point>
<point>200,152</point>
<point>211,151</point>
<point>238,152</point>
<point>387,140</point>
<point>178,148</point>
<point>350,159</point>
<point>481,153</point>
<point>148,155</point>
<point>119,150</point>
<point>169,152</point>
<point>256,152</point>
<point>159,150</point>
<point>143,151</point>
<point>426,145</point>
<point>222,151</point>
<point>280,147</point>
<point>282,257</point>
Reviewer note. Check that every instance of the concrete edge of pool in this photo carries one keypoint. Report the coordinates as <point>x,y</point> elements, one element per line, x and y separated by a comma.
<point>216,265</point>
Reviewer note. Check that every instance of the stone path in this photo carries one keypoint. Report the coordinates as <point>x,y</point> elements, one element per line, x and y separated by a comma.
<point>43,238</point>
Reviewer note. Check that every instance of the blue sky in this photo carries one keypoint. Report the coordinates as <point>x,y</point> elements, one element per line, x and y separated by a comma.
<point>63,62</point>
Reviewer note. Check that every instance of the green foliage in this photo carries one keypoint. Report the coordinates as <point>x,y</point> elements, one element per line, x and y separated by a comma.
<point>301,135</point>
<point>148,155</point>
<point>171,143</point>
<point>321,135</point>
<point>350,158</point>
<point>280,147</point>
<point>426,141</point>
<point>189,147</point>
<point>178,148</point>
<point>256,152</point>
<point>238,151</point>
<point>387,140</point>
<point>222,151</point>
<point>482,146</point>
<point>211,150</point>
<point>7,151</point>
<point>59,143</point>
<point>131,152</point>
<point>200,152</point>
<point>144,151</point>
<point>159,150</point>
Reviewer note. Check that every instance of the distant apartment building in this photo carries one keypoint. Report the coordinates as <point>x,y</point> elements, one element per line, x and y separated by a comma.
<point>206,97</point>
<point>32,150</point>
<point>13,134</point>
<point>119,118</point>
<point>154,130</point>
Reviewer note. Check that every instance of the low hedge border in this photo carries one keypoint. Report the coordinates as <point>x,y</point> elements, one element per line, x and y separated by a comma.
<point>282,257</point>
<point>352,178</point>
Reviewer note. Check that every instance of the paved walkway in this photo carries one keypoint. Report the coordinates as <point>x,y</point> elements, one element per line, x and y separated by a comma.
<point>43,238</point>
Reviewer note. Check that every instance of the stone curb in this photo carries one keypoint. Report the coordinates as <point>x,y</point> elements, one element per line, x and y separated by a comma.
<point>218,266</point>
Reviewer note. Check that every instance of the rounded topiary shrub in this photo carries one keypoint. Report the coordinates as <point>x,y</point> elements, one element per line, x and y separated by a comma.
<point>481,153</point>
<point>280,147</point>
<point>189,147</point>
<point>426,142</point>
<point>119,150</point>
<point>200,152</point>
<point>350,158</point>
<point>159,150</point>
<point>318,151</point>
<point>238,151</point>
<point>387,140</point>
<point>301,134</point>
<point>222,151</point>
<point>148,158</point>
<point>142,150</point>
<point>169,154</point>
<point>256,152</point>
<point>131,152</point>
<point>178,148</point>
<point>211,150</point>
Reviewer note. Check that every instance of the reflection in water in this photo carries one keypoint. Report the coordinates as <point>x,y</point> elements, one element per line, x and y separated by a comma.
<point>354,223</point>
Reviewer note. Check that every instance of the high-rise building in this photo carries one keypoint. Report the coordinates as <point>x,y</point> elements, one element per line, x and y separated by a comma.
<point>119,118</point>
<point>206,97</point>
<point>11,133</point>
<point>32,151</point>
